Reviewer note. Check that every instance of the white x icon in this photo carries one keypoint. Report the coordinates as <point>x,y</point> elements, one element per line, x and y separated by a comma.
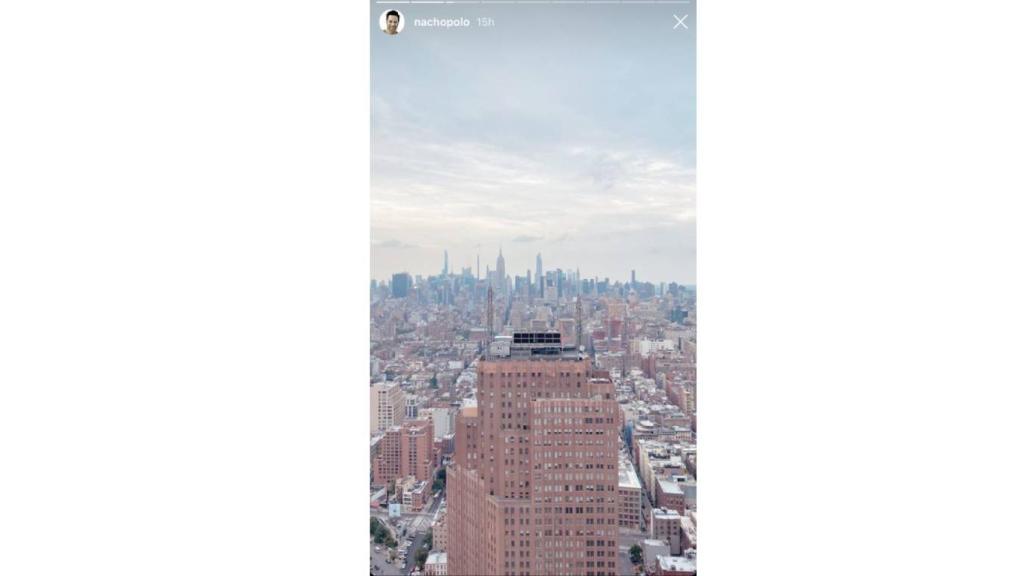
<point>681,21</point>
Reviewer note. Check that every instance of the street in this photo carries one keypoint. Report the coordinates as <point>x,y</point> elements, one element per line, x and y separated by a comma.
<point>410,559</point>
<point>421,525</point>
<point>417,525</point>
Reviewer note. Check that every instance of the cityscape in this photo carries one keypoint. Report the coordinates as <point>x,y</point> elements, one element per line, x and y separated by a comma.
<point>539,422</point>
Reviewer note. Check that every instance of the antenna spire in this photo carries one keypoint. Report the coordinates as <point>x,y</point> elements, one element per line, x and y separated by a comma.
<point>490,315</point>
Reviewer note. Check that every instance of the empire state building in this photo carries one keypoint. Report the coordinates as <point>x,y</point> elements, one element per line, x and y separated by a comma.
<point>502,284</point>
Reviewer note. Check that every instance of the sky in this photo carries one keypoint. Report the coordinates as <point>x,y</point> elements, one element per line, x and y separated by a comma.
<point>565,130</point>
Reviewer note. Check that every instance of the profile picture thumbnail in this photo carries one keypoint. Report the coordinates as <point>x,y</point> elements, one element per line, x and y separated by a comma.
<point>392,22</point>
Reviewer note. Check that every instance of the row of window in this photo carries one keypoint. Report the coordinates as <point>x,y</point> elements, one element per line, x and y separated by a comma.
<point>573,466</point>
<point>577,488</point>
<point>575,433</point>
<point>532,374</point>
<point>557,408</point>
<point>566,532</point>
<point>549,420</point>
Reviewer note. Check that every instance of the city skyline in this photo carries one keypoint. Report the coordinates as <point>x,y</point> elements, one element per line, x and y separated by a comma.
<point>454,268</point>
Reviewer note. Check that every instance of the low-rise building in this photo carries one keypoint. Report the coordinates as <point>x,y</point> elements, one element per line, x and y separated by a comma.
<point>665,526</point>
<point>436,564</point>
<point>676,565</point>
<point>630,515</point>
<point>688,533</point>
<point>413,494</point>
<point>652,549</point>
<point>440,531</point>
<point>670,495</point>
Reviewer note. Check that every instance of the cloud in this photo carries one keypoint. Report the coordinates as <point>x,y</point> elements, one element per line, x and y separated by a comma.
<point>394,244</point>
<point>606,171</point>
<point>589,202</point>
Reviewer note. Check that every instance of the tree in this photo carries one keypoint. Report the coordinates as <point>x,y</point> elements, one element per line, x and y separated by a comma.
<point>379,531</point>
<point>421,557</point>
<point>440,480</point>
<point>433,381</point>
<point>428,540</point>
<point>636,554</point>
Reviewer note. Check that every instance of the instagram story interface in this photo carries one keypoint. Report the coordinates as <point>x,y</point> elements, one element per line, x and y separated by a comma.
<point>533,288</point>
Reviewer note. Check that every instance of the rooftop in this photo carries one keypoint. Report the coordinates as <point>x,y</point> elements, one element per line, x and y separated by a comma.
<point>437,558</point>
<point>665,514</point>
<point>545,345</point>
<point>677,563</point>
<point>669,486</point>
<point>627,476</point>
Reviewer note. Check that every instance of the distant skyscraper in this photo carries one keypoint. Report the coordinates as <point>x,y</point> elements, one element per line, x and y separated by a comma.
<point>400,284</point>
<point>632,277</point>
<point>533,487</point>
<point>540,276</point>
<point>502,283</point>
<point>445,262</point>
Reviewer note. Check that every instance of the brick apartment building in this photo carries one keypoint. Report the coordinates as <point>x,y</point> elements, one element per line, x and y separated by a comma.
<point>405,450</point>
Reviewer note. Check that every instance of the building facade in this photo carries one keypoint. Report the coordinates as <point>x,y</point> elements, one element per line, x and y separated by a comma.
<point>665,526</point>
<point>417,450</point>
<point>533,489</point>
<point>405,451</point>
<point>630,510</point>
<point>440,531</point>
<point>387,406</point>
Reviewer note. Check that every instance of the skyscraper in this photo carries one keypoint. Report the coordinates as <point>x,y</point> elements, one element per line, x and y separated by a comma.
<point>502,283</point>
<point>533,488</point>
<point>540,277</point>
<point>445,263</point>
<point>400,284</point>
